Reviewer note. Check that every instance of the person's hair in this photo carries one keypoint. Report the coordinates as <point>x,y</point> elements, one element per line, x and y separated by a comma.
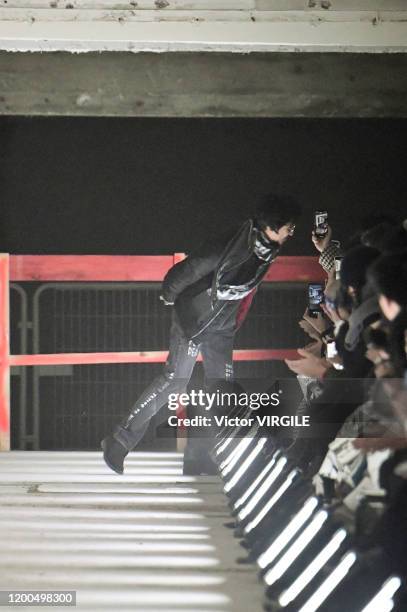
<point>388,276</point>
<point>365,225</point>
<point>354,269</point>
<point>387,238</point>
<point>397,343</point>
<point>277,210</point>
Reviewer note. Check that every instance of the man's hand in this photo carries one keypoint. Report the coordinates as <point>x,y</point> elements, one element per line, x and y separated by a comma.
<point>314,367</point>
<point>319,323</point>
<point>370,445</point>
<point>321,243</point>
<point>331,313</point>
<point>397,395</point>
<point>309,329</point>
<point>165,301</point>
<point>313,348</point>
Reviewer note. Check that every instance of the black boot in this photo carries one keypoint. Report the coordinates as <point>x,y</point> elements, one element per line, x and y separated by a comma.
<point>114,454</point>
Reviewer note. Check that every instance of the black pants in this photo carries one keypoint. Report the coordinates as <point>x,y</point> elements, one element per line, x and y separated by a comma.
<point>216,350</point>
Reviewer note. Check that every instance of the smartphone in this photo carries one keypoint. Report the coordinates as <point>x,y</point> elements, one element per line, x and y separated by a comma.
<point>315,298</point>
<point>338,263</point>
<point>321,223</point>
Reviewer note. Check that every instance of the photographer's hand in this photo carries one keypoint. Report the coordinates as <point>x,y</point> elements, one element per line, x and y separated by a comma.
<point>309,329</point>
<point>321,243</point>
<point>313,348</point>
<point>310,365</point>
<point>370,445</point>
<point>319,323</point>
<point>331,313</point>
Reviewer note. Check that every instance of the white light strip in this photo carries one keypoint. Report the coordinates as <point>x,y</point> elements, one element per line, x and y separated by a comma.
<point>288,533</point>
<point>296,548</point>
<point>231,455</point>
<point>31,522</point>
<point>244,444</point>
<point>312,570</point>
<point>386,593</point>
<point>272,501</point>
<point>245,465</point>
<point>255,482</point>
<point>385,606</point>
<point>330,583</point>
<point>252,503</point>
<point>231,460</point>
<point>224,445</point>
<point>82,545</point>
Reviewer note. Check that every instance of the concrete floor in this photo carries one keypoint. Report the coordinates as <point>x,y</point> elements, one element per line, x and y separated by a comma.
<point>150,540</point>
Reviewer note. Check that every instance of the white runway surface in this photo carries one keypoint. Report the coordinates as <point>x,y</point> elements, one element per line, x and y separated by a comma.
<point>150,540</point>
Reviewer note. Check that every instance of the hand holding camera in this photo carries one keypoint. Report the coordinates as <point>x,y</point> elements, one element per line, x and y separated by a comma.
<point>322,232</point>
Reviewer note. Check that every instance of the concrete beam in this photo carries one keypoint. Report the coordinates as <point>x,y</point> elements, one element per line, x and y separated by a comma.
<point>239,26</point>
<point>236,37</point>
<point>117,12</point>
<point>195,7</point>
<point>204,85</point>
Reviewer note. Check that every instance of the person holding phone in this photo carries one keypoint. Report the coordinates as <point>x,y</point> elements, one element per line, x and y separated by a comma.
<point>322,240</point>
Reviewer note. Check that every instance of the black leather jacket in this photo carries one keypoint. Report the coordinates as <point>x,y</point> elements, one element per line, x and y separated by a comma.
<point>207,287</point>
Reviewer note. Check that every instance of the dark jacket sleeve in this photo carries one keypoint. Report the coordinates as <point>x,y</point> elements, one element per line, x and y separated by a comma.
<point>199,264</point>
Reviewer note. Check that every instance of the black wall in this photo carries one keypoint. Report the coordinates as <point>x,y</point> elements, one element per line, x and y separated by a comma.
<point>155,186</point>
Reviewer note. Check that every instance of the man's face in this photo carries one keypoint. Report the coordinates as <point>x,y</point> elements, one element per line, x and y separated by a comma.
<point>285,232</point>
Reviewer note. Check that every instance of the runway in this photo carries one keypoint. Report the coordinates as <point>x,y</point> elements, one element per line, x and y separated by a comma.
<point>150,540</point>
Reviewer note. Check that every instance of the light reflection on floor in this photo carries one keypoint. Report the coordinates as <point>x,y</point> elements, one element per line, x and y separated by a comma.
<point>150,540</point>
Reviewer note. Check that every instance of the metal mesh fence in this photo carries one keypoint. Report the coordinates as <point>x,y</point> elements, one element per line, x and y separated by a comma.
<point>79,405</point>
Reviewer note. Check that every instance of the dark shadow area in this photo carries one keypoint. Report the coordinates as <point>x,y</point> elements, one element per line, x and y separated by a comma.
<point>155,186</point>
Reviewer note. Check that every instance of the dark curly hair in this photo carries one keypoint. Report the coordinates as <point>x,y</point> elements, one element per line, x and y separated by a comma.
<point>277,210</point>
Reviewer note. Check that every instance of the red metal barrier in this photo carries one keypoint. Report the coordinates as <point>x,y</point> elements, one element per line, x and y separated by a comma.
<point>4,354</point>
<point>135,268</point>
<point>117,268</point>
<point>92,268</point>
<point>137,357</point>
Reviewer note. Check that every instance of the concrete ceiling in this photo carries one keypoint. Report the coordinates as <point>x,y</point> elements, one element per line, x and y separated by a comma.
<point>204,58</point>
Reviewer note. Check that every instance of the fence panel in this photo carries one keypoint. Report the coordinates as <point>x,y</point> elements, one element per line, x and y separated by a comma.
<point>75,406</point>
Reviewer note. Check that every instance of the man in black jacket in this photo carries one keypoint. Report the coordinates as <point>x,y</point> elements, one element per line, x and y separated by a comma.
<point>208,291</point>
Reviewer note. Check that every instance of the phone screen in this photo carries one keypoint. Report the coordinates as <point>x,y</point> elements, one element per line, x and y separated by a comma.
<point>321,223</point>
<point>315,297</point>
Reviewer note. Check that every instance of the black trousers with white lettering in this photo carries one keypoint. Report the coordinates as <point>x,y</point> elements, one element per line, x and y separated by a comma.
<point>216,350</point>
